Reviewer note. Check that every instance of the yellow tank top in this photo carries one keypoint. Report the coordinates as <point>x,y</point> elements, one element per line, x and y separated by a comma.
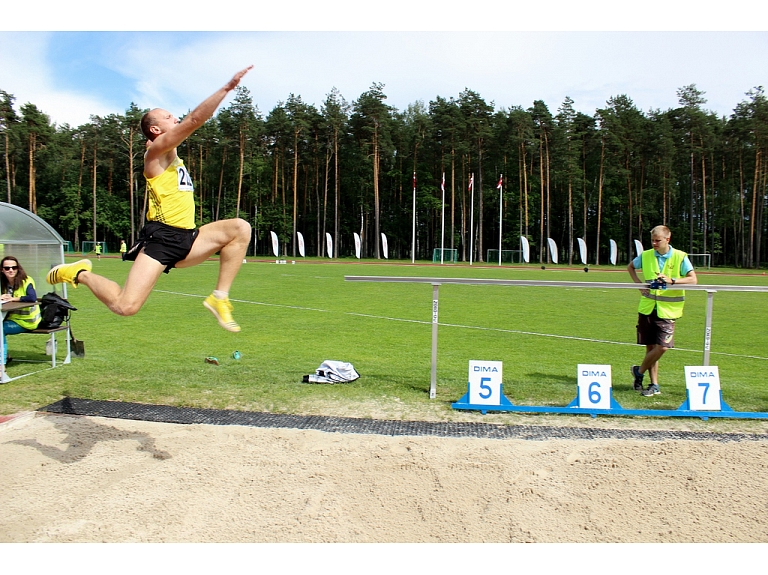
<point>171,197</point>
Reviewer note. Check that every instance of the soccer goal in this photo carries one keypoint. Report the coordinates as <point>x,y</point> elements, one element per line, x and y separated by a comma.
<point>700,260</point>
<point>449,255</point>
<point>507,256</point>
<point>90,247</point>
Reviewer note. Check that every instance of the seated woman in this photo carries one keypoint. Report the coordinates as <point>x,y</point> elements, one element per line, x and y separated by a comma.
<point>16,285</point>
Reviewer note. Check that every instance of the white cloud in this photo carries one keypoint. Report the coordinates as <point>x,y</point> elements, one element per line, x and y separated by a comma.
<point>176,72</point>
<point>25,73</point>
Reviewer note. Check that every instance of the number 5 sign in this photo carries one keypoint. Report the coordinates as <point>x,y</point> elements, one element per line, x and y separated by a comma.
<point>594,384</point>
<point>703,386</point>
<point>485,382</point>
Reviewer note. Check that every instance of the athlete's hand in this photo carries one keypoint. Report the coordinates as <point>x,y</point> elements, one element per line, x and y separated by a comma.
<point>232,84</point>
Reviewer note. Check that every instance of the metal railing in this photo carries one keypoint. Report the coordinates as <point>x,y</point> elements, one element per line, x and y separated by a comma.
<point>437,282</point>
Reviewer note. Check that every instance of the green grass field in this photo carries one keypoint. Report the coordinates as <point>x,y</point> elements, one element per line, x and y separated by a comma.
<point>295,316</point>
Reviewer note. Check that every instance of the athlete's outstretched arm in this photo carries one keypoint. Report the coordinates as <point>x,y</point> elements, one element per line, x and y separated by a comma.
<point>172,138</point>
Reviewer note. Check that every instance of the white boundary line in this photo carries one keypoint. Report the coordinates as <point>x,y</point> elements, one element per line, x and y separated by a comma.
<point>459,326</point>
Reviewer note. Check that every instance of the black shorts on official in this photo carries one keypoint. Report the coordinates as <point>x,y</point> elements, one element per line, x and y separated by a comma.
<point>655,330</point>
<point>164,243</point>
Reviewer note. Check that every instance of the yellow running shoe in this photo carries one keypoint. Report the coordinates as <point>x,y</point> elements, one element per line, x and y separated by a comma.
<point>68,272</point>
<point>222,309</point>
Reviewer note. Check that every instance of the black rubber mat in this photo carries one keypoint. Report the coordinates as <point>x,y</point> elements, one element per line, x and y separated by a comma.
<point>188,415</point>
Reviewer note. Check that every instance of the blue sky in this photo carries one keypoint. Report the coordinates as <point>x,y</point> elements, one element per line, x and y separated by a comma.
<point>76,72</point>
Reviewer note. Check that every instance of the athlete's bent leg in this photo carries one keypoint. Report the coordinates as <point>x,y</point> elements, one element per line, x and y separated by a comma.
<point>230,238</point>
<point>126,300</point>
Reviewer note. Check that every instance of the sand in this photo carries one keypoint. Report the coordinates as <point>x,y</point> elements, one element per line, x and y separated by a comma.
<point>89,479</point>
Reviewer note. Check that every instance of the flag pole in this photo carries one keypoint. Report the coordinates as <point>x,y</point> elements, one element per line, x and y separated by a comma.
<point>442,222</point>
<point>471,217</point>
<point>413,234</point>
<point>501,210</point>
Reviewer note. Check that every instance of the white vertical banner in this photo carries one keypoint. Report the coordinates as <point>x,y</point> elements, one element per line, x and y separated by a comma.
<point>594,384</point>
<point>582,250</point>
<point>703,386</point>
<point>329,244</point>
<point>301,243</point>
<point>357,245</point>
<point>614,251</point>
<point>552,249</point>
<point>275,245</point>
<point>384,246</point>
<point>638,247</point>
<point>500,187</point>
<point>471,217</point>
<point>442,220</point>
<point>526,249</point>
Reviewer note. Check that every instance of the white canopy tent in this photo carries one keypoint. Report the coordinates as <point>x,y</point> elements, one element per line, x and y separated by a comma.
<point>36,245</point>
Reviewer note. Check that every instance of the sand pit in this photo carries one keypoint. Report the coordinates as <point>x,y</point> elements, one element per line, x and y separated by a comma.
<point>90,479</point>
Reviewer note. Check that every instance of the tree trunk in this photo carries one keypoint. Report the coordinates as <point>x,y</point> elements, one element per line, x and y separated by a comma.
<point>321,235</point>
<point>525,185</point>
<point>753,211</point>
<point>600,200</point>
<point>94,195</point>
<point>549,206</point>
<point>221,181</point>
<point>480,202</point>
<point>240,173</point>
<point>453,195</point>
<point>542,200</point>
<point>32,191</point>
<point>377,239</point>
<point>7,166</point>
<point>741,242</point>
<point>570,221</point>
<point>704,194</point>
<point>295,187</point>
<point>336,190</point>
<point>130,182</point>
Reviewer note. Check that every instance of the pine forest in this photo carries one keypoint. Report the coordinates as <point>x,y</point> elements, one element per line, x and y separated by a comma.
<point>350,167</point>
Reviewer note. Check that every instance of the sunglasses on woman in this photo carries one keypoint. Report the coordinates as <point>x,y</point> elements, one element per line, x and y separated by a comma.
<point>9,268</point>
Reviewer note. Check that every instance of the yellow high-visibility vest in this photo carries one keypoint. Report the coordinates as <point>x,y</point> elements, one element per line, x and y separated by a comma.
<point>28,317</point>
<point>667,302</point>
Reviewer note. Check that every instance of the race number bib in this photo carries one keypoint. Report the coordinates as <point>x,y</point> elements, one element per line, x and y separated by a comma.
<point>185,180</point>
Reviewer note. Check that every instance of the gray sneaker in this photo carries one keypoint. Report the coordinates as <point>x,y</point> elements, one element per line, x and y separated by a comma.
<point>653,389</point>
<point>638,378</point>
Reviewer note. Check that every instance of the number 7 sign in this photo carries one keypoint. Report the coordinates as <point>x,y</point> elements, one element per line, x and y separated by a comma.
<point>703,386</point>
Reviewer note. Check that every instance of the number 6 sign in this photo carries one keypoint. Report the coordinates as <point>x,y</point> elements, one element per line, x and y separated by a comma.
<point>594,384</point>
<point>703,386</point>
<point>485,382</point>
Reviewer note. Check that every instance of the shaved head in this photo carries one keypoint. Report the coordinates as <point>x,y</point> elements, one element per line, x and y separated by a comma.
<point>150,119</point>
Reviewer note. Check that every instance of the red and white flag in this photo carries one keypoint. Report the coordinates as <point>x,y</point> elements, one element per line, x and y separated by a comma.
<point>414,180</point>
<point>442,186</point>
<point>498,186</point>
<point>471,182</point>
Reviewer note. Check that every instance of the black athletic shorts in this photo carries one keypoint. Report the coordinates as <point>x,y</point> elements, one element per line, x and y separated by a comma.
<point>655,330</point>
<point>163,243</point>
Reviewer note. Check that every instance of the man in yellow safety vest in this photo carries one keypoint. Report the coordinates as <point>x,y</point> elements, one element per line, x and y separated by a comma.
<point>661,304</point>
